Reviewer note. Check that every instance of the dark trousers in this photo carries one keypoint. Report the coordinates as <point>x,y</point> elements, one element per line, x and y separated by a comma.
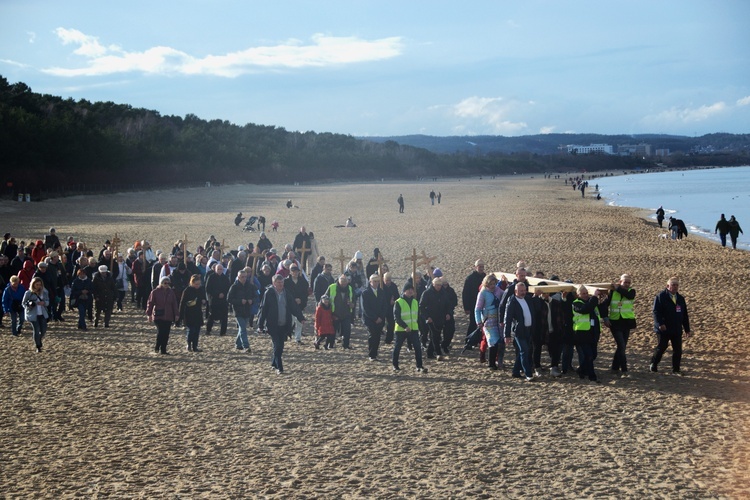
<point>390,324</point>
<point>567,357</point>
<point>537,341</point>
<point>278,337</point>
<point>621,336</point>
<point>435,341</point>
<point>373,340</point>
<point>162,335</point>
<point>554,348</point>
<point>413,338</point>
<point>723,238</point>
<point>40,329</point>
<point>344,330</point>
<point>218,311</point>
<point>59,307</point>
<point>82,306</point>
<point>663,342</point>
<point>586,357</point>
<point>327,339</point>
<point>107,309</point>
<point>449,329</point>
<point>120,298</point>
<point>141,295</point>
<point>192,333</point>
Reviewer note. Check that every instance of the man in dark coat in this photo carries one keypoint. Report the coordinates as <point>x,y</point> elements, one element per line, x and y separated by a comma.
<point>433,309</point>
<point>470,292</point>
<point>302,241</point>
<point>51,240</point>
<point>217,288</point>
<point>241,295</point>
<point>105,292</point>
<point>518,320</point>
<point>275,315</point>
<point>297,286</point>
<point>670,318</point>
<point>374,310</point>
<point>322,282</point>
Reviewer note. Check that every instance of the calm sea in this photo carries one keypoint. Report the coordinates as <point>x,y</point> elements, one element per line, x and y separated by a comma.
<point>698,197</point>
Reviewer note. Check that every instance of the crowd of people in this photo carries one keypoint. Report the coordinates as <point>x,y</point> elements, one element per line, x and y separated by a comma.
<point>198,291</point>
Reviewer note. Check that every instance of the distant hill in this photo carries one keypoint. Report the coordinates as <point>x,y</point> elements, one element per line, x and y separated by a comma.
<point>546,144</point>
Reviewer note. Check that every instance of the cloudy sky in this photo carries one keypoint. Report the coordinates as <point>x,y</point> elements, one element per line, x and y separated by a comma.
<point>387,67</point>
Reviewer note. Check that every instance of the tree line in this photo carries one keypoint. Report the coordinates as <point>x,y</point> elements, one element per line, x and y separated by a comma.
<point>50,141</point>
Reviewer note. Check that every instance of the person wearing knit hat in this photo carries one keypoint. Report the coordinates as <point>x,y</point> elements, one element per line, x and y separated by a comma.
<point>437,272</point>
<point>105,292</point>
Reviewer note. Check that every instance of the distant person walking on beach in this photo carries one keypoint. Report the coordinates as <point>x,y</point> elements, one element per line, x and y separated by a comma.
<point>400,203</point>
<point>439,197</point>
<point>722,227</point>
<point>660,215</point>
<point>734,231</point>
<point>670,318</point>
<point>432,196</point>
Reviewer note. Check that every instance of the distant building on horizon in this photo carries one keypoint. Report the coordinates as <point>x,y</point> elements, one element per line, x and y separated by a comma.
<point>641,149</point>
<point>591,149</point>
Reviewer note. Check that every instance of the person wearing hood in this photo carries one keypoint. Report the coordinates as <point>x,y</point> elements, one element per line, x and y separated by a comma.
<point>406,313</point>
<point>324,330</point>
<point>39,252</point>
<point>13,304</point>
<point>105,292</point>
<point>27,273</point>
<point>81,295</point>
<point>734,231</point>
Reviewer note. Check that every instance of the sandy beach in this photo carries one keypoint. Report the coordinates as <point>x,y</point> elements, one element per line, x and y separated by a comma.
<point>97,415</point>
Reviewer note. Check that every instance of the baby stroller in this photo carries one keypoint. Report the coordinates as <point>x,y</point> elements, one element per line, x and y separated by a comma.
<point>250,223</point>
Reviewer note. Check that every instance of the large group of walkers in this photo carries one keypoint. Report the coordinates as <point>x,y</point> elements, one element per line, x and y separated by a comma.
<point>268,290</point>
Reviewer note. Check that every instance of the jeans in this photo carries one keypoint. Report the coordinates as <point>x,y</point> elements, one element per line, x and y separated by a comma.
<point>120,298</point>
<point>401,337</point>
<point>723,237</point>
<point>523,355</point>
<point>16,322</point>
<point>278,337</point>
<point>619,361</point>
<point>82,308</point>
<point>40,329</point>
<point>162,335</point>
<point>192,333</point>
<point>241,342</point>
<point>661,347</point>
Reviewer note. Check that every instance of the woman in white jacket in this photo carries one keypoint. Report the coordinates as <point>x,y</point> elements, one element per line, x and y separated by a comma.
<point>35,302</point>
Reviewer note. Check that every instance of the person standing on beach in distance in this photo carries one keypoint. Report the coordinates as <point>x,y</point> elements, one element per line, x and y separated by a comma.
<point>722,227</point>
<point>275,316</point>
<point>660,215</point>
<point>469,293</point>
<point>670,318</point>
<point>162,309</point>
<point>621,320</point>
<point>401,203</point>
<point>439,197</point>
<point>734,231</point>
<point>432,196</point>
<point>406,313</point>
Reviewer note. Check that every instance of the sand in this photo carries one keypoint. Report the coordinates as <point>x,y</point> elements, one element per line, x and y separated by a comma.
<point>96,414</point>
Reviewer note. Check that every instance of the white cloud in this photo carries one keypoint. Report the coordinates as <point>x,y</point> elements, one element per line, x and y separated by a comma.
<point>322,51</point>
<point>547,130</point>
<point>744,101</point>
<point>687,115</point>
<point>32,36</point>
<point>494,112</point>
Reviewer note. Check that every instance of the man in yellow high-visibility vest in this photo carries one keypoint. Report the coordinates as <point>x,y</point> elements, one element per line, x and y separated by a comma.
<point>406,313</point>
<point>621,321</point>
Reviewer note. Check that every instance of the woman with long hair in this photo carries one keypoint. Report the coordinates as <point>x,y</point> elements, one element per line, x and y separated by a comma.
<point>35,302</point>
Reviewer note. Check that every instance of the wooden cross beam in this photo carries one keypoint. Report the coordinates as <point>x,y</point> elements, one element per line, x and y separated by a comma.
<point>556,286</point>
<point>115,244</point>
<point>254,256</point>
<point>413,260</point>
<point>425,261</point>
<point>302,251</point>
<point>343,259</point>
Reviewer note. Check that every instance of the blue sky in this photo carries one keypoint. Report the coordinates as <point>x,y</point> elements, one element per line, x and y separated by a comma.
<point>395,68</point>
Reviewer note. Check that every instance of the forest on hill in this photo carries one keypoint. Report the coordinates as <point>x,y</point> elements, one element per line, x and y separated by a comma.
<point>53,145</point>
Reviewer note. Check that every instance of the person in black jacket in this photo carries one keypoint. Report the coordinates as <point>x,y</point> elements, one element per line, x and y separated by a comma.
<point>241,296</point>
<point>518,322</point>
<point>670,318</point>
<point>105,292</point>
<point>297,286</point>
<point>191,311</point>
<point>374,311</point>
<point>276,311</point>
<point>470,292</point>
<point>450,325</point>
<point>217,287</point>
<point>322,282</point>
<point>433,309</point>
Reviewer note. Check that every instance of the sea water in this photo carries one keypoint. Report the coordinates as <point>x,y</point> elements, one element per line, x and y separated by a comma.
<point>698,197</point>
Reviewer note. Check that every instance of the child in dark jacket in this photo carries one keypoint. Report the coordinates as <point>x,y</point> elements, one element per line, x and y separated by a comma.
<point>324,324</point>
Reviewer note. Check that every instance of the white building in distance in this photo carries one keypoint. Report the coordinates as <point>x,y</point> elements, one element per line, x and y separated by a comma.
<point>591,149</point>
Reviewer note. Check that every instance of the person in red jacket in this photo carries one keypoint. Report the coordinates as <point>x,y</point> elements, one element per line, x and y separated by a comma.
<point>324,329</point>
<point>39,252</point>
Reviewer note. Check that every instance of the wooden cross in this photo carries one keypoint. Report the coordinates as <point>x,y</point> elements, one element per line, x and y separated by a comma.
<point>343,259</point>
<point>184,249</point>
<point>380,262</point>
<point>425,260</point>
<point>115,246</point>
<point>413,260</point>
<point>255,256</point>
<point>302,251</point>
